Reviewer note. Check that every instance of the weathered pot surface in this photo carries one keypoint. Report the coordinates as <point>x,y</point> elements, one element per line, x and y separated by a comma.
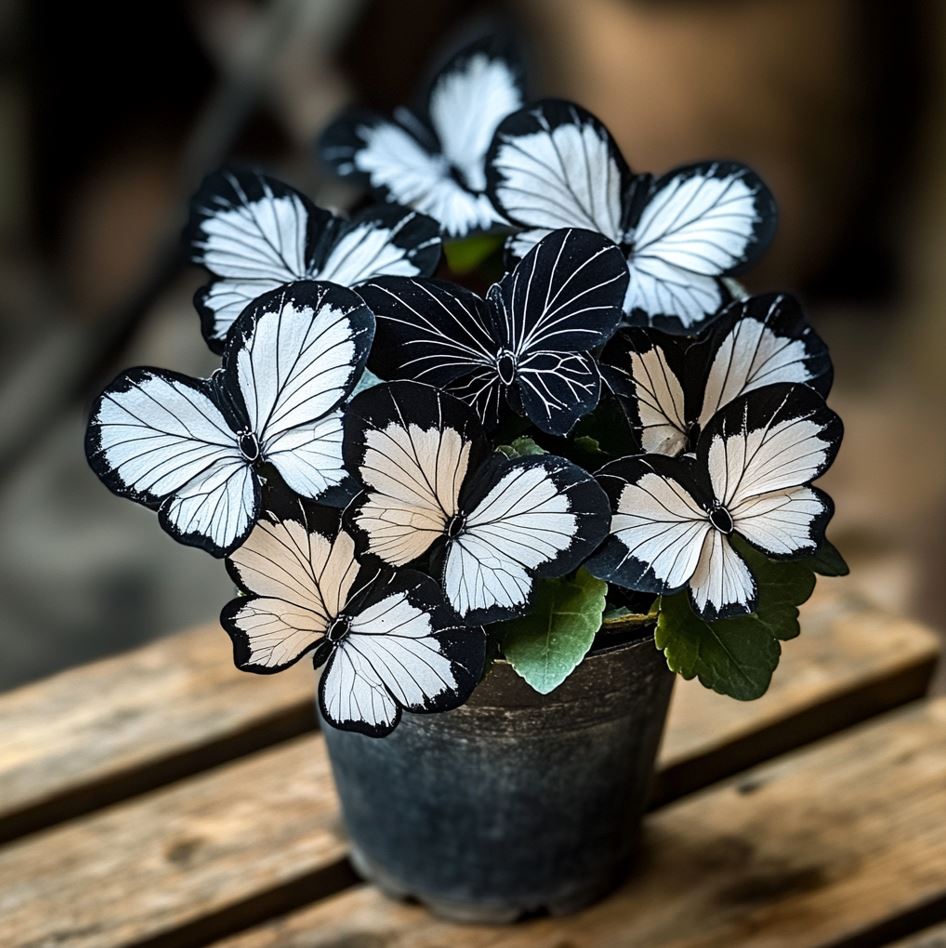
<point>516,802</point>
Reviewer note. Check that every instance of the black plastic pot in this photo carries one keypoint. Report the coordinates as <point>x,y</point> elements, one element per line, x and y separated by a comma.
<point>516,802</point>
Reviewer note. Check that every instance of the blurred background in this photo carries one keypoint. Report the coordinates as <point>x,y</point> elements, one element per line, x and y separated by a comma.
<point>110,116</point>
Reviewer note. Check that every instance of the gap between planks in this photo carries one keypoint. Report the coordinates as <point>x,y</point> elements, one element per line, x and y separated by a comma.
<point>108,731</point>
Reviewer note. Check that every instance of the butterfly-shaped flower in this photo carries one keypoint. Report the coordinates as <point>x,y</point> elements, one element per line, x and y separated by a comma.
<point>389,641</point>
<point>493,524</point>
<point>434,162</point>
<point>192,448</point>
<point>670,389</point>
<point>553,164</point>
<point>527,344</point>
<point>255,234</point>
<point>673,517</point>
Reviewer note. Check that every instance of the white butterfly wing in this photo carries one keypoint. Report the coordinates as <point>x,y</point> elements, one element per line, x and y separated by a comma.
<point>762,341</point>
<point>658,525</point>
<point>526,518</point>
<point>405,651</point>
<point>762,451</point>
<point>412,448</point>
<point>472,94</point>
<point>160,439</point>
<point>254,234</point>
<point>699,224</point>
<point>299,571</point>
<point>381,241</point>
<point>397,166</point>
<point>721,585</point>
<point>646,372</point>
<point>293,357</point>
<point>552,165</point>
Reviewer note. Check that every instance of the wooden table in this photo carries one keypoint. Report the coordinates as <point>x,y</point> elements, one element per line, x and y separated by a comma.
<point>162,798</point>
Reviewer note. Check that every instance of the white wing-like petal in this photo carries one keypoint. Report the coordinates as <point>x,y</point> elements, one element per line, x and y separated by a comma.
<point>779,438</point>
<point>721,585</point>
<point>700,223</point>
<point>785,522</point>
<point>412,448</point>
<point>660,288</point>
<point>299,574</point>
<point>255,234</point>
<point>554,165</point>
<point>296,355</point>
<point>404,650</point>
<point>658,525</point>
<point>382,241</point>
<point>161,440</point>
<point>468,100</point>
<point>762,341</point>
<point>309,456</point>
<point>648,383</point>
<point>394,162</point>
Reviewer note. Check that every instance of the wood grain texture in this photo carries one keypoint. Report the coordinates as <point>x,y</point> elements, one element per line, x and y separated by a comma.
<point>205,855</point>
<point>113,728</point>
<point>218,851</point>
<point>850,662</point>
<point>843,843</point>
<point>109,730</point>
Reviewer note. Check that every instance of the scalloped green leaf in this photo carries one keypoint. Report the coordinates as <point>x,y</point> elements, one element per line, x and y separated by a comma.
<point>545,646</point>
<point>737,656</point>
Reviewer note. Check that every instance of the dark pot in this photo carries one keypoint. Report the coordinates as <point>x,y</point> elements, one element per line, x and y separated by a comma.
<point>516,802</point>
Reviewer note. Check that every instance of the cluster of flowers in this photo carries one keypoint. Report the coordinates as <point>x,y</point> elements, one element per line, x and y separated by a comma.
<point>374,524</point>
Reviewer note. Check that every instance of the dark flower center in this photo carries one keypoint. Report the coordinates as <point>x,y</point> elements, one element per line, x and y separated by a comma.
<point>506,366</point>
<point>721,519</point>
<point>340,627</point>
<point>249,445</point>
<point>455,524</point>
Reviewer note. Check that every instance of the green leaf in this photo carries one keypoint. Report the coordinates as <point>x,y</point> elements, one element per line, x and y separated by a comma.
<point>737,656</point>
<point>464,256</point>
<point>545,646</point>
<point>521,447</point>
<point>783,586</point>
<point>827,561</point>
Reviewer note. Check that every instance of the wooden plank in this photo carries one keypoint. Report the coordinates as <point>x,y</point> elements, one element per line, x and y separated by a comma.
<point>850,662</point>
<point>221,850</point>
<point>108,730</point>
<point>105,732</point>
<point>840,844</point>
<point>205,855</point>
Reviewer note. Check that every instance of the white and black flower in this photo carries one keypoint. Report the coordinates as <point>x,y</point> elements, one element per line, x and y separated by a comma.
<point>434,161</point>
<point>493,524</point>
<point>527,344</point>
<point>670,388</point>
<point>255,234</point>
<point>193,448</point>
<point>553,164</point>
<point>389,641</point>
<point>672,518</point>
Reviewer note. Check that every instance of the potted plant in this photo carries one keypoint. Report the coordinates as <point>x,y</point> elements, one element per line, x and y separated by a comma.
<point>525,509</point>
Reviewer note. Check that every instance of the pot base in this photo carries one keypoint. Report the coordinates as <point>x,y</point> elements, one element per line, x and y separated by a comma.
<point>485,912</point>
